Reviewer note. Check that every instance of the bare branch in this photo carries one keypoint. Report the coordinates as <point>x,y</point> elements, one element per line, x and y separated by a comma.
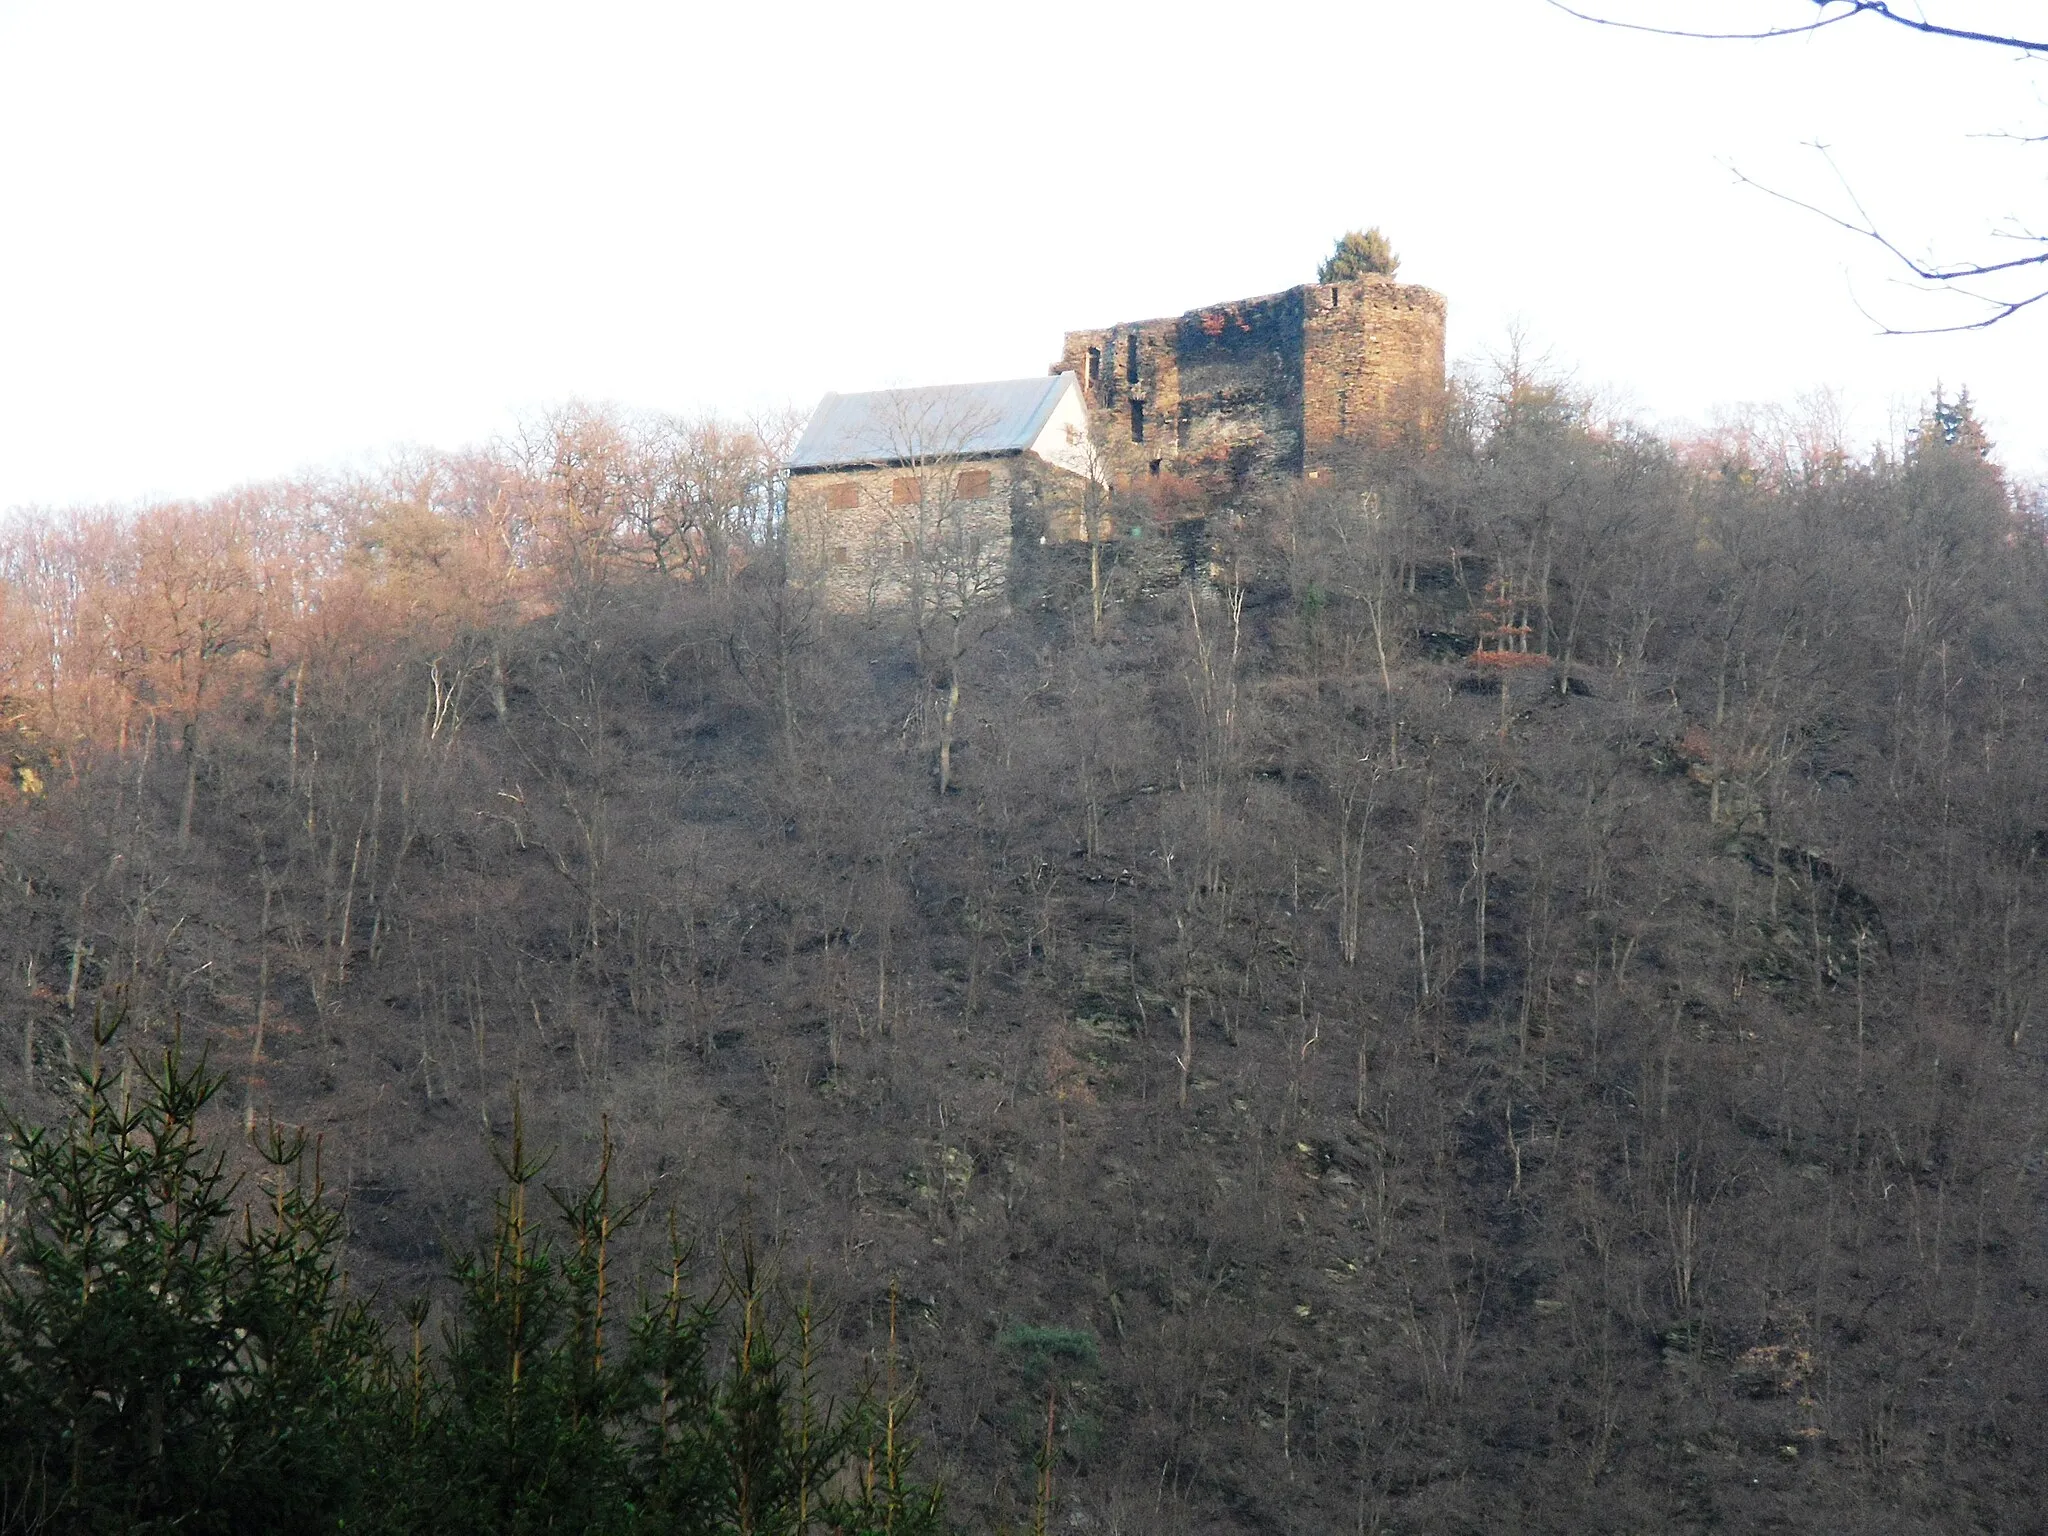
<point>1943,273</point>
<point>2002,309</point>
<point>1946,275</point>
<point>1937,276</point>
<point>1718,37</point>
<point>1933,29</point>
<point>1850,10</point>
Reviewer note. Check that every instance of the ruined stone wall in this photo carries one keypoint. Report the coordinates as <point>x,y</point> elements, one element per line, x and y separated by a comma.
<point>1130,381</point>
<point>1231,393</point>
<point>1239,414</point>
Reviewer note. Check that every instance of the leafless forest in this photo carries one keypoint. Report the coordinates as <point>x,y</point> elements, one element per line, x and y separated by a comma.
<point>1500,990</point>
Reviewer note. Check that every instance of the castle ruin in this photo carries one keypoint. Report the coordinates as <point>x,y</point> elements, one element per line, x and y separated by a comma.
<point>1277,385</point>
<point>894,490</point>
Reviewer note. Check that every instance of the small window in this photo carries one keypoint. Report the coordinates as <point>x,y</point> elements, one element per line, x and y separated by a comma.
<point>909,549</point>
<point>906,491</point>
<point>1137,421</point>
<point>1094,366</point>
<point>839,555</point>
<point>1154,467</point>
<point>973,482</point>
<point>1131,359</point>
<point>843,497</point>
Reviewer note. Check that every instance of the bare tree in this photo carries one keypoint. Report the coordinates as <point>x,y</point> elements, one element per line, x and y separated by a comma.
<point>939,534</point>
<point>704,495</point>
<point>197,610</point>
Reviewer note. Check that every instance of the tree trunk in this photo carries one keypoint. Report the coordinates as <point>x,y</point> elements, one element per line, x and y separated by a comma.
<point>1095,580</point>
<point>952,712</point>
<point>191,784</point>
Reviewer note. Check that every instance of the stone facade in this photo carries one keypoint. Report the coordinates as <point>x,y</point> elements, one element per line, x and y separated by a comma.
<point>883,535</point>
<point>930,495</point>
<point>1273,385</point>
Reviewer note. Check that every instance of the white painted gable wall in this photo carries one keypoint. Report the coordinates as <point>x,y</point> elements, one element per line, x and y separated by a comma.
<point>1063,440</point>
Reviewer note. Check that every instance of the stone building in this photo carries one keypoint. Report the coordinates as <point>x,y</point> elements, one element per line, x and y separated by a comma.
<point>923,495</point>
<point>908,494</point>
<point>1280,384</point>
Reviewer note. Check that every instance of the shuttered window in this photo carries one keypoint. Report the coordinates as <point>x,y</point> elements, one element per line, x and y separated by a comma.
<point>907,491</point>
<point>843,497</point>
<point>974,482</point>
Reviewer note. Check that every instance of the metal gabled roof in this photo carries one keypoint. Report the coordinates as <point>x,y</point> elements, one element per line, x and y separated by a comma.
<point>895,426</point>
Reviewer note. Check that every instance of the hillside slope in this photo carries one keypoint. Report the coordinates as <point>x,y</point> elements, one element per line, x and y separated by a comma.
<point>1594,1085</point>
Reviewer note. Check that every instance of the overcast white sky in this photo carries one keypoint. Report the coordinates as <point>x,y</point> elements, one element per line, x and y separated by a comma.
<point>237,240</point>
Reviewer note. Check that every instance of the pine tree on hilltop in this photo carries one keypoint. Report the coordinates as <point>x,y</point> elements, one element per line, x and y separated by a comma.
<point>1365,253</point>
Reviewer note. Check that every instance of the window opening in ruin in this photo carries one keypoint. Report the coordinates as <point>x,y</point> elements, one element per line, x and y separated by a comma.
<point>839,554</point>
<point>1094,366</point>
<point>906,491</point>
<point>973,482</point>
<point>1155,467</point>
<point>1131,360</point>
<point>909,549</point>
<point>843,496</point>
<point>1137,421</point>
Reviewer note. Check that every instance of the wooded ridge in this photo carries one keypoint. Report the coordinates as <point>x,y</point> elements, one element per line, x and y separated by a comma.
<point>1496,990</point>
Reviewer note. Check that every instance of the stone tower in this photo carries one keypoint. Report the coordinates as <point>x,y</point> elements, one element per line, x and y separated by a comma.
<point>1280,384</point>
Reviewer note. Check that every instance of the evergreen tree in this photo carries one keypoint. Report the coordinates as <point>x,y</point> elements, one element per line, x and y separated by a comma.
<point>554,1414</point>
<point>1955,498</point>
<point>170,1355</point>
<point>1361,253</point>
<point>176,1356</point>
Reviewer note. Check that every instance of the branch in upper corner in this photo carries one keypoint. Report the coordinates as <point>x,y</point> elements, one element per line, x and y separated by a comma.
<point>1947,275</point>
<point>1714,37</point>
<point>1881,8</point>
<point>1849,10</point>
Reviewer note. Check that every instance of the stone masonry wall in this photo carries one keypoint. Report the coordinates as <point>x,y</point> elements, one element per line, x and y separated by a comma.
<point>866,535</point>
<point>1230,393</point>
<point>1239,413</point>
<point>1372,363</point>
<point>1130,379</point>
